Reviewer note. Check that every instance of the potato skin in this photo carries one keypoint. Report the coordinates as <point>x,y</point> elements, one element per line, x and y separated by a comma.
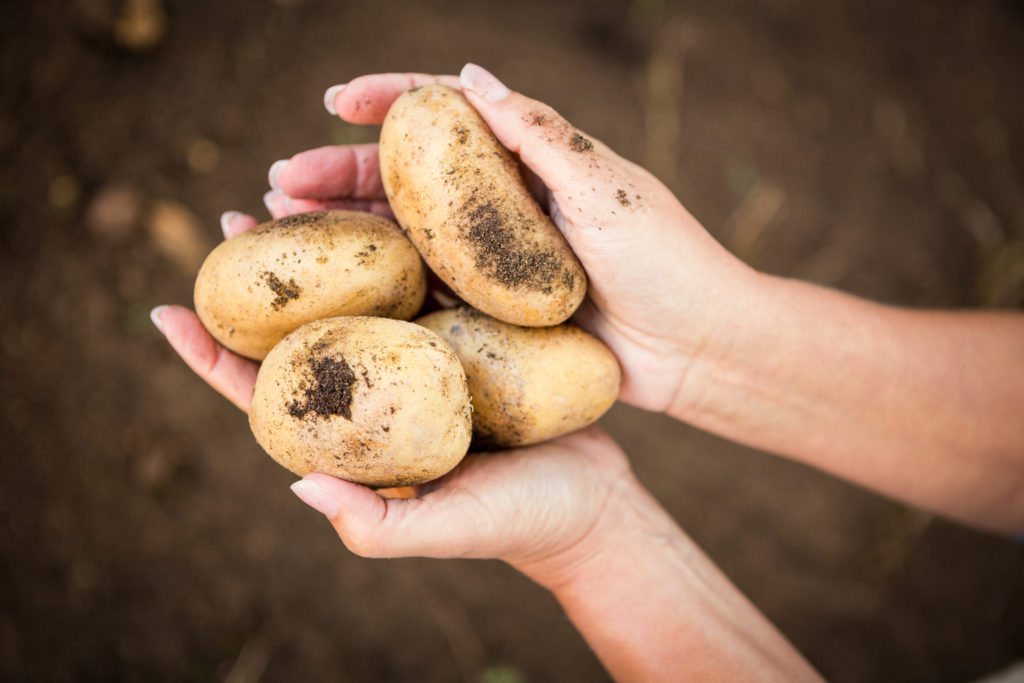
<point>528,384</point>
<point>463,202</point>
<point>379,402</point>
<point>258,286</point>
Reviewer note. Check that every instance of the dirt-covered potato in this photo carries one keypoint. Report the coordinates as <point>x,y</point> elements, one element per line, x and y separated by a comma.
<point>260,285</point>
<point>463,202</point>
<point>375,401</point>
<point>528,384</point>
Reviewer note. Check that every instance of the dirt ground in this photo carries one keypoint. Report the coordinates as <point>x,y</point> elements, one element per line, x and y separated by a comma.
<point>873,146</point>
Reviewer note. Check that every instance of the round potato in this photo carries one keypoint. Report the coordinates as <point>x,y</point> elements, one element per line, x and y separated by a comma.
<point>379,402</point>
<point>528,384</point>
<point>258,286</point>
<point>463,202</point>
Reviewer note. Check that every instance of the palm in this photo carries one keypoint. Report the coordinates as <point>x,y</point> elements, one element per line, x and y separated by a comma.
<point>525,504</point>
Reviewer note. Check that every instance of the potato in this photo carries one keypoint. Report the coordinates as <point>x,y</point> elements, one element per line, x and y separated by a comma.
<point>379,402</point>
<point>260,285</point>
<point>528,384</point>
<point>463,202</point>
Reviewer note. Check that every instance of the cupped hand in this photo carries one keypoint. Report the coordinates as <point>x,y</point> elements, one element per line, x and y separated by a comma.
<point>662,291</point>
<point>542,509</point>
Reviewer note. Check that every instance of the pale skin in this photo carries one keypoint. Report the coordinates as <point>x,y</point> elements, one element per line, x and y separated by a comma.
<point>921,406</point>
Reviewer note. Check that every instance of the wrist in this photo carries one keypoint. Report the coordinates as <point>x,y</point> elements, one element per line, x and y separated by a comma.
<point>654,607</point>
<point>734,347</point>
<point>630,516</point>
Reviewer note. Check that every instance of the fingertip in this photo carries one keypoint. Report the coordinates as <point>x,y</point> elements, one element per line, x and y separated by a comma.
<point>278,203</point>
<point>273,175</point>
<point>368,98</point>
<point>310,492</point>
<point>352,499</point>
<point>235,222</point>
<point>481,82</point>
<point>179,324</point>
<point>156,315</point>
<point>167,318</point>
<point>330,95</point>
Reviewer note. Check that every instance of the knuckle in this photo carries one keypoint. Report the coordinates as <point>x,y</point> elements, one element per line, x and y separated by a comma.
<point>543,116</point>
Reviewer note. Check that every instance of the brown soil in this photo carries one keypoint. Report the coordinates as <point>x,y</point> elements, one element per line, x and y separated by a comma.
<point>578,143</point>
<point>331,390</point>
<point>285,291</point>
<point>494,236</point>
<point>874,146</point>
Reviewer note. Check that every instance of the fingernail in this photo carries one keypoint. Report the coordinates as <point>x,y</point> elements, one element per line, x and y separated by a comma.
<point>275,170</point>
<point>156,316</point>
<point>268,200</point>
<point>271,198</point>
<point>444,300</point>
<point>483,83</point>
<point>329,96</point>
<point>225,221</point>
<point>316,497</point>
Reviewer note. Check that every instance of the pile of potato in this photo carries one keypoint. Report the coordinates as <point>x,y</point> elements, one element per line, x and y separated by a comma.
<point>347,386</point>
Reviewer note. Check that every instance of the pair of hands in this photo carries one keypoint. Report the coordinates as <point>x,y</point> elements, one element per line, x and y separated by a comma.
<point>657,283</point>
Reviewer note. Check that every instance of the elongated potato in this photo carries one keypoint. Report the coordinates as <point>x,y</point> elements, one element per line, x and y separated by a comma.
<point>375,401</point>
<point>463,202</point>
<point>260,285</point>
<point>528,384</point>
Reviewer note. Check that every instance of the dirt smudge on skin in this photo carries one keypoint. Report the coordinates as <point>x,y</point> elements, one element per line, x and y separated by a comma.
<point>578,143</point>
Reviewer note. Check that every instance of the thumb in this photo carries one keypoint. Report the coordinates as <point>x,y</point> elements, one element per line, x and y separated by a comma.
<point>438,526</point>
<point>560,154</point>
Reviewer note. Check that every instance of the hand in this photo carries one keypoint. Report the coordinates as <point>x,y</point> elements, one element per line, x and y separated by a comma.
<point>536,508</point>
<point>661,289</point>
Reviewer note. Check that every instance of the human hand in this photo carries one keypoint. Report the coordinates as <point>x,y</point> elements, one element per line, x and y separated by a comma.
<point>543,509</point>
<point>230,374</point>
<point>662,291</point>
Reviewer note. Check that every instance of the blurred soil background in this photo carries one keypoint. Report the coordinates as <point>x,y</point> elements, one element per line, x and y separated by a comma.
<point>873,146</point>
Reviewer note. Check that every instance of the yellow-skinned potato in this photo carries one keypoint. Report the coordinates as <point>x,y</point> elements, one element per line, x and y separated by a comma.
<point>528,384</point>
<point>379,402</point>
<point>463,202</point>
<point>258,286</point>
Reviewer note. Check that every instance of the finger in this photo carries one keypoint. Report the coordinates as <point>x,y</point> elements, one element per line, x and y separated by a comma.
<point>235,222</point>
<point>446,523</point>
<point>578,169</point>
<point>367,99</point>
<point>231,375</point>
<point>336,172</point>
<point>381,208</point>
<point>280,205</point>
